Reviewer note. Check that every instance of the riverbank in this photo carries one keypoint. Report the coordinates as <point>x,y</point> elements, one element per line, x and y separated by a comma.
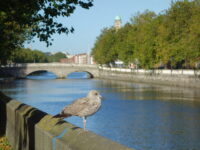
<point>179,78</point>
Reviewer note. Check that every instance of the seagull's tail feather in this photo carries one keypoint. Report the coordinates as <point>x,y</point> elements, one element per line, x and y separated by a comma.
<point>62,116</point>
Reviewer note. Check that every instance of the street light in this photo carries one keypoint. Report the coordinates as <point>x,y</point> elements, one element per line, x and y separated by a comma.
<point>136,61</point>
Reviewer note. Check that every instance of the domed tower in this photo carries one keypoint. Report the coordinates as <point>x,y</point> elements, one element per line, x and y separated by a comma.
<point>118,22</point>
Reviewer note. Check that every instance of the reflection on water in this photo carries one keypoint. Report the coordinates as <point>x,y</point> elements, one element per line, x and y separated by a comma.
<point>78,75</point>
<point>150,92</point>
<point>141,116</point>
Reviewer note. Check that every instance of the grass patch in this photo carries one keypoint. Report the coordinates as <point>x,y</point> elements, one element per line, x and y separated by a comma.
<point>4,144</point>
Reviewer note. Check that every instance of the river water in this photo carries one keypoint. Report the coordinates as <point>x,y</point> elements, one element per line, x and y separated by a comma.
<point>140,116</point>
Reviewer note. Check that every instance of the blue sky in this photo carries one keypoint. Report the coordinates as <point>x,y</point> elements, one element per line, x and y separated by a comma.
<point>89,23</point>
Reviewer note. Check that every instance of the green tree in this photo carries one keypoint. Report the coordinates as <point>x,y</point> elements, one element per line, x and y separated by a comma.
<point>22,20</point>
<point>145,33</point>
<point>191,38</point>
<point>39,57</point>
<point>56,57</point>
<point>122,45</point>
<point>103,50</point>
<point>26,55</point>
<point>177,42</point>
<point>171,38</point>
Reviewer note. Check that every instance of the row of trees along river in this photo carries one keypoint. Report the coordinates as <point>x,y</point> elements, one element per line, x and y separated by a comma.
<point>26,55</point>
<point>171,38</point>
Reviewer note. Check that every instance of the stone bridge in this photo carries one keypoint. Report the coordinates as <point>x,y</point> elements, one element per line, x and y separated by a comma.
<point>61,70</point>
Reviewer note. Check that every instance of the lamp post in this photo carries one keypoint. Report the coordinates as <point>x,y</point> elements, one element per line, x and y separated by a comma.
<point>171,60</point>
<point>136,61</point>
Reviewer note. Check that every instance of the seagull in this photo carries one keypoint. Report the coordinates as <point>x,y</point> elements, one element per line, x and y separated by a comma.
<point>82,107</point>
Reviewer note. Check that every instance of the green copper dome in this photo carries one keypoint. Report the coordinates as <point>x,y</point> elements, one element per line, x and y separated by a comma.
<point>117,18</point>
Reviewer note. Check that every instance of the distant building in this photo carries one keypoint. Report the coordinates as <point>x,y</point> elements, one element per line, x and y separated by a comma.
<point>82,58</point>
<point>91,60</point>
<point>48,53</point>
<point>67,60</point>
<point>69,55</point>
<point>117,23</point>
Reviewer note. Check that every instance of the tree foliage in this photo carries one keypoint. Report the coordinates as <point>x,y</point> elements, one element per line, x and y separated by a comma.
<point>103,50</point>
<point>26,55</point>
<point>171,38</point>
<point>56,57</point>
<point>23,19</point>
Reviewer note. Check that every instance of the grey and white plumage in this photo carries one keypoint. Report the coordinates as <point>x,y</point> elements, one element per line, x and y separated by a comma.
<point>82,107</point>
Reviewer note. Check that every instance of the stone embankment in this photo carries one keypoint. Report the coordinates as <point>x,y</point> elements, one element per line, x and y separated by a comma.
<point>182,78</point>
<point>28,128</point>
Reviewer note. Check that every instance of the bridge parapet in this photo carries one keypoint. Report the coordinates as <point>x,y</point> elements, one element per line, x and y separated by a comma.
<point>61,70</point>
<point>49,65</point>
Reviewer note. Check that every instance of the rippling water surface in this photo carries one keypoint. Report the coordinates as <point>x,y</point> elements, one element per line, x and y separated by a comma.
<point>140,116</point>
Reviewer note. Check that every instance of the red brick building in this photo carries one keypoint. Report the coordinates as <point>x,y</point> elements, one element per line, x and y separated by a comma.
<point>82,58</point>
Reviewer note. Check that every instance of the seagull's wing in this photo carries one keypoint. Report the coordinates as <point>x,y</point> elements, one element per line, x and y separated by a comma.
<point>76,107</point>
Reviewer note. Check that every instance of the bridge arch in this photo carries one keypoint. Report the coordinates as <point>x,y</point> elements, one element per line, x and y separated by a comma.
<point>38,71</point>
<point>31,71</point>
<point>59,69</point>
<point>60,73</point>
<point>41,74</point>
<point>88,73</point>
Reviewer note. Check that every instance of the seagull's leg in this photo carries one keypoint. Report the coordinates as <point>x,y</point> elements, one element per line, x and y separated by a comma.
<point>84,123</point>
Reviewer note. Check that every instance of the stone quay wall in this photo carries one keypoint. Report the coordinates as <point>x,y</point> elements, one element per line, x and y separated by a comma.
<point>28,128</point>
<point>182,78</point>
